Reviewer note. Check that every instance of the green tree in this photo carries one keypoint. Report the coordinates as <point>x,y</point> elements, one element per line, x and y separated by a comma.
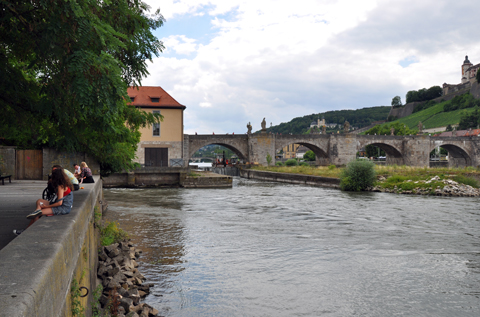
<point>309,156</point>
<point>66,66</point>
<point>469,120</point>
<point>396,101</point>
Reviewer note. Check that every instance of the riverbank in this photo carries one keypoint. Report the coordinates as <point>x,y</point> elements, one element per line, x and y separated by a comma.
<point>395,179</point>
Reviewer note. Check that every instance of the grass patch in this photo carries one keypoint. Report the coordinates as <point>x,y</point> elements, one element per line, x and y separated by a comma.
<point>111,233</point>
<point>398,177</point>
<point>305,170</point>
<point>466,180</point>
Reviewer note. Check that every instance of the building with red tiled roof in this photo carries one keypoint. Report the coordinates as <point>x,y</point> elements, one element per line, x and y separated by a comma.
<point>475,132</point>
<point>160,144</point>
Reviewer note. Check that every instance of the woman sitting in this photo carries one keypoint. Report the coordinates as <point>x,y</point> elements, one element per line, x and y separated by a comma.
<point>86,176</point>
<point>63,203</point>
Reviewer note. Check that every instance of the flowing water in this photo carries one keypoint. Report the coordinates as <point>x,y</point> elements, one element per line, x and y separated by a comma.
<point>272,249</point>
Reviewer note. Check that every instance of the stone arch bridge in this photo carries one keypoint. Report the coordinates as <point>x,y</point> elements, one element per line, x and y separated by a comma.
<point>339,149</point>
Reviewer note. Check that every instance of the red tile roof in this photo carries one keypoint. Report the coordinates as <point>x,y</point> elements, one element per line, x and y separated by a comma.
<point>460,133</point>
<point>474,132</point>
<point>143,98</point>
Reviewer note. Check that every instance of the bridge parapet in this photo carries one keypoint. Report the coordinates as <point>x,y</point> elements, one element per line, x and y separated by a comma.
<point>339,149</point>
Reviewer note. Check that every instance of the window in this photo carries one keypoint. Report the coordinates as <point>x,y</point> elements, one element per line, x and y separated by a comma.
<point>156,126</point>
<point>155,99</point>
<point>132,99</point>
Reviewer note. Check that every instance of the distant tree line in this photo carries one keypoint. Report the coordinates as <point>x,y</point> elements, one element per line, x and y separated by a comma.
<point>357,118</point>
<point>424,94</point>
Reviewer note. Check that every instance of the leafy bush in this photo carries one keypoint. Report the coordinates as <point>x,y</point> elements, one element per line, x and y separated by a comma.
<point>331,167</point>
<point>269,159</point>
<point>279,163</point>
<point>291,162</point>
<point>304,164</point>
<point>357,176</point>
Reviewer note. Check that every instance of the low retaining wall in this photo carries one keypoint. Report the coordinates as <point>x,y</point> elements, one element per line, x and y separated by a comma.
<point>147,177</point>
<point>207,182</point>
<point>291,178</point>
<point>38,266</point>
<point>229,170</point>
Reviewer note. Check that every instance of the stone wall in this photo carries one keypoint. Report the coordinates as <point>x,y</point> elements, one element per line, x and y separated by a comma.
<point>207,182</point>
<point>7,160</point>
<point>290,178</point>
<point>147,177</point>
<point>175,150</point>
<point>39,266</point>
<point>66,160</point>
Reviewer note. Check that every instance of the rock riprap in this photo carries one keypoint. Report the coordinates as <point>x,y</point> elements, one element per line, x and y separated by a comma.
<point>451,188</point>
<point>123,285</point>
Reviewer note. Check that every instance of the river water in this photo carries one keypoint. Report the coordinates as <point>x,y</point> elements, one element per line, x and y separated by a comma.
<point>272,249</point>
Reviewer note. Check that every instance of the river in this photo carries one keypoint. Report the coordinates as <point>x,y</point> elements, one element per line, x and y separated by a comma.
<point>272,249</point>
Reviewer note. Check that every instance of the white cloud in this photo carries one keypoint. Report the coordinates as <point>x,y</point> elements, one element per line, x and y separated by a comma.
<point>280,60</point>
<point>180,44</point>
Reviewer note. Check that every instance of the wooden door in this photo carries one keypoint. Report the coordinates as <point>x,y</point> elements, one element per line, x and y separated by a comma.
<point>156,156</point>
<point>29,164</point>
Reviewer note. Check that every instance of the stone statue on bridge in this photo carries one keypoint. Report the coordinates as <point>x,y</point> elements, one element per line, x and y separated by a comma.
<point>264,125</point>
<point>420,127</point>
<point>249,127</point>
<point>324,129</point>
<point>392,131</point>
<point>346,127</point>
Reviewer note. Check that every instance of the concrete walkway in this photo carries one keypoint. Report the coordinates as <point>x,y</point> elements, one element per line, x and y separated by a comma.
<point>17,200</point>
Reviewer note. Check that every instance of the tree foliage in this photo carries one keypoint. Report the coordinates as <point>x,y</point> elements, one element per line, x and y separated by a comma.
<point>309,156</point>
<point>469,120</point>
<point>424,94</point>
<point>66,66</point>
<point>396,101</point>
<point>357,118</point>
<point>461,102</point>
<point>400,129</point>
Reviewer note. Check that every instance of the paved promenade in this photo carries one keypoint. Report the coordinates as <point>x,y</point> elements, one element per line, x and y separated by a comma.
<point>17,200</point>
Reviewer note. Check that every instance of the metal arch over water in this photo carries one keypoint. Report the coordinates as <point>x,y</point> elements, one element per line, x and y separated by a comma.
<point>339,149</point>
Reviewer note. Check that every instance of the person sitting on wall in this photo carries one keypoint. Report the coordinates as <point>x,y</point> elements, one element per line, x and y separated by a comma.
<point>86,175</point>
<point>61,206</point>
<point>77,170</point>
<point>71,177</point>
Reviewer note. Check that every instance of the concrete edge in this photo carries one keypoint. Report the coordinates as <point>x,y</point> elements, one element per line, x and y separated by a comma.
<point>291,178</point>
<point>37,266</point>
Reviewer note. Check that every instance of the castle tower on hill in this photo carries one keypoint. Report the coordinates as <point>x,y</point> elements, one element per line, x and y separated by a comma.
<point>466,65</point>
<point>469,71</point>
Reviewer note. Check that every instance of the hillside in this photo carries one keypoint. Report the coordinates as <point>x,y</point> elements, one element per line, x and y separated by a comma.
<point>436,116</point>
<point>357,118</point>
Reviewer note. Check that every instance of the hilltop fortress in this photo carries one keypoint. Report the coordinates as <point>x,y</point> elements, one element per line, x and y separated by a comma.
<point>468,84</point>
<point>469,71</point>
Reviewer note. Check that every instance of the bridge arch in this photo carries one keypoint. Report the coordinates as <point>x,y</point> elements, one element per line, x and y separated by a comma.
<point>394,155</point>
<point>457,156</point>
<point>320,154</point>
<point>237,144</point>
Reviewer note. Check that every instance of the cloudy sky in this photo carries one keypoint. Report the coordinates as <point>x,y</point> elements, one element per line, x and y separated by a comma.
<point>237,61</point>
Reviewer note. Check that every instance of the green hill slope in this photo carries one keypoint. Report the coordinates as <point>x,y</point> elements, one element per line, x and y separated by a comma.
<point>435,116</point>
<point>357,118</point>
